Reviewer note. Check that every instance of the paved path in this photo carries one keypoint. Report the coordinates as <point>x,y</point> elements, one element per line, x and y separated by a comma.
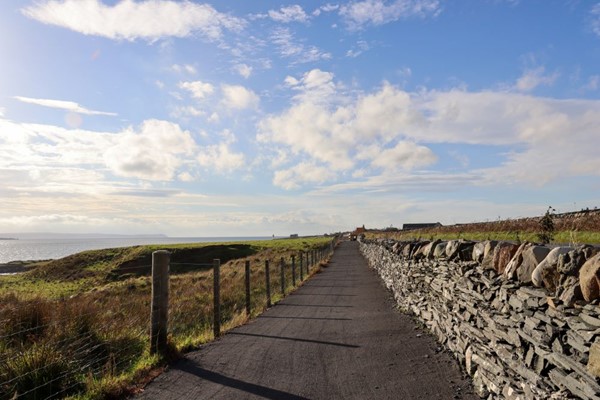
<point>337,337</point>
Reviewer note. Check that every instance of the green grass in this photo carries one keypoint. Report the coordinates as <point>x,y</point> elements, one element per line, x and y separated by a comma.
<point>562,237</point>
<point>568,228</point>
<point>93,269</point>
<point>82,321</point>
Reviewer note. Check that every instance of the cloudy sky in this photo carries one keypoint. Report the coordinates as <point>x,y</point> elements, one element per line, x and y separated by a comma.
<point>260,117</point>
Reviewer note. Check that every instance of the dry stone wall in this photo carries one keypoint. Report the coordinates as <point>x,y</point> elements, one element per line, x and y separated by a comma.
<point>517,341</point>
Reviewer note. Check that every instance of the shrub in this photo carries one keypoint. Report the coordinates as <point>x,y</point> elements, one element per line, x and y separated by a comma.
<point>546,225</point>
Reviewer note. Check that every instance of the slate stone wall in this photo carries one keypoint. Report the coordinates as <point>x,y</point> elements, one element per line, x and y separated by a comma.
<point>515,340</point>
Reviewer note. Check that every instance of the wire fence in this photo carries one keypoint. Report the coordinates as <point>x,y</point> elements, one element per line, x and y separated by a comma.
<point>56,349</point>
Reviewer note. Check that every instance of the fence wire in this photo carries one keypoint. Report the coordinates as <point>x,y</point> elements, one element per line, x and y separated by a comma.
<point>53,349</point>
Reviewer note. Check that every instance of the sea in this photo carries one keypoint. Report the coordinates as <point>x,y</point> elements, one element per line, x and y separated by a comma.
<point>46,249</point>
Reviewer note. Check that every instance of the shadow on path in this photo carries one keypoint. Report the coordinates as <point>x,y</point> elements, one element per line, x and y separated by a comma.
<point>295,339</point>
<point>263,391</point>
<point>306,318</point>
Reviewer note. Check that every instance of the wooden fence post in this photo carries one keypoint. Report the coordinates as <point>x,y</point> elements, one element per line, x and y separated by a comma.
<point>268,283</point>
<point>159,309</point>
<point>301,267</point>
<point>247,276</point>
<point>216,297</point>
<point>294,270</point>
<point>282,276</point>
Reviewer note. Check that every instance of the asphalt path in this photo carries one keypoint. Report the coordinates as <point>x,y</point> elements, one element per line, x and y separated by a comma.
<point>338,336</point>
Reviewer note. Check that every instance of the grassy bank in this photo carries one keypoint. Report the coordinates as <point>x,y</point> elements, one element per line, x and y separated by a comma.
<point>571,228</point>
<point>563,237</point>
<point>78,326</point>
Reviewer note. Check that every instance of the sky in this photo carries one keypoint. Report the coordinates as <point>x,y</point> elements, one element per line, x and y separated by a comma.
<point>238,118</point>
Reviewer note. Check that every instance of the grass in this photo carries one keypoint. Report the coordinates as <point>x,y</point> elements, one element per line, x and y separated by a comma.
<point>569,228</point>
<point>79,325</point>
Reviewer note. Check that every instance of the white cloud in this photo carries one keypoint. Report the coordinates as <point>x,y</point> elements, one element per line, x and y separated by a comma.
<point>289,48</point>
<point>532,78</point>
<point>593,83</point>
<point>323,126</point>
<point>186,111</point>
<point>359,14</point>
<point>326,8</point>
<point>238,97</point>
<point>214,118</point>
<point>2,111</point>
<point>296,176</point>
<point>361,47</point>
<point>62,105</point>
<point>400,181</point>
<point>185,177</point>
<point>154,152</point>
<point>185,68</point>
<point>131,20</point>
<point>293,13</point>
<point>405,72</point>
<point>314,86</point>
<point>198,89</point>
<point>595,19</point>
<point>390,128</point>
<point>244,70</point>
<point>405,155</point>
<point>220,157</point>
<point>30,222</point>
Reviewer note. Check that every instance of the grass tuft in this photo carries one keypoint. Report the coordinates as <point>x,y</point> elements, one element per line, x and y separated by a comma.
<point>84,333</point>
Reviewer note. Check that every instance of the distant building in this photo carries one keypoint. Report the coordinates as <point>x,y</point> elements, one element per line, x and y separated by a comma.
<point>409,227</point>
<point>294,236</point>
<point>358,231</point>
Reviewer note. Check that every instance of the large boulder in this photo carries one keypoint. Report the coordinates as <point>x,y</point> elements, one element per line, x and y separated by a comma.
<point>503,253</point>
<point>546,273</point>
<point>459,250</point>
<point>593,364</point>
<point>421,250</point>
<point>407,250</point>
<point>430,248</point>
<point>589,278</point>
<point>533,255</point>
<point>478,251</point>
<point>510,271</point>
<point>570,263</point>
<point>440,250</point>
<point>487,260</point>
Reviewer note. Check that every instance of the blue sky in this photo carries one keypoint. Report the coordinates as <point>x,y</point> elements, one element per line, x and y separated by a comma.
<point>259,118</point>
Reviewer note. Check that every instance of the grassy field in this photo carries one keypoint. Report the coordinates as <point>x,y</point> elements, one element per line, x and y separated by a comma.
<point>78,326</point>
<point>571,228</point>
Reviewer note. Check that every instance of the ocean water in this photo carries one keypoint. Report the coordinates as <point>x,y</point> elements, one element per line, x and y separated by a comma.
<point>45,249</point>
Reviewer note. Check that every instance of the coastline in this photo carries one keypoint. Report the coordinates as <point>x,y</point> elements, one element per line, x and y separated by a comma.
<point>16,267</point>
